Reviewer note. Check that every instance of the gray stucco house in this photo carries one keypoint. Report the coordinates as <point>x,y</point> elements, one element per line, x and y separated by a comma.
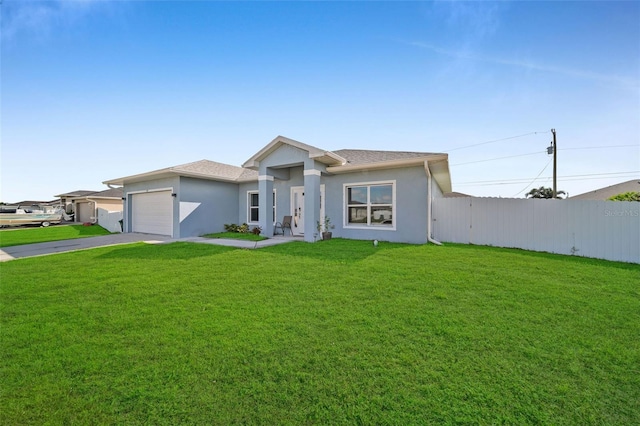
<point>384,195</point>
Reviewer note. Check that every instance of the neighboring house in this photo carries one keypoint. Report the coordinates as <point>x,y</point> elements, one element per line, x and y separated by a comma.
<point>31,203</point>
<point>85,204</point>
<point>456,195</point>
<point>67,198</point>
<point>384,195</point>
<point>609,191</point>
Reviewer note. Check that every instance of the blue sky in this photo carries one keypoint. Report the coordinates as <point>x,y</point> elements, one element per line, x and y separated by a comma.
<point>95,90</point>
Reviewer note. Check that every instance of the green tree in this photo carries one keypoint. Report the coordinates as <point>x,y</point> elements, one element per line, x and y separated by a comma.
<point>543,192</point>
<point>626,196</point>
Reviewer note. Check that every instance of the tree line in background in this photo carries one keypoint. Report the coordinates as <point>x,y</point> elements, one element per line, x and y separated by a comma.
<point>544,192</point>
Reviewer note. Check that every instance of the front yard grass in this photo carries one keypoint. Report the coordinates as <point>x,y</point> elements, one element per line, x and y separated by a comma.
<point>337,332</point>
<point>19,236</point>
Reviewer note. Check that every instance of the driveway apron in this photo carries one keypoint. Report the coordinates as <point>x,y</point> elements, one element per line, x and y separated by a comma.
<point>41,249</point>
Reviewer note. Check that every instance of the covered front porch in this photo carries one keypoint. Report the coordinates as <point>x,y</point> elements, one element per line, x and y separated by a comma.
<point>296,169</point>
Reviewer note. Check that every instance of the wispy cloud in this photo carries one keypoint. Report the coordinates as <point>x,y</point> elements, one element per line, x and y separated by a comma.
<point>476,19</point>
<point>40,18</point>
<point>629,83</point>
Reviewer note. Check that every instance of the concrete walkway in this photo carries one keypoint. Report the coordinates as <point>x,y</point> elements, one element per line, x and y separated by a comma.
<point>242,243</point>
<point>42,249</point>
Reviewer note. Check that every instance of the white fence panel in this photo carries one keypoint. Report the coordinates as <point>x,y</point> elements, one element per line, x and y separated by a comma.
<point>599,229</point>
<point>109,220</point>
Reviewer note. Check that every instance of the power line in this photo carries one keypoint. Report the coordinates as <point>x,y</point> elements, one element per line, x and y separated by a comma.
<point>496,140</point>
<point>565,178</point>
<point>498,158</point>
<point>599,147</point>
<point>539,152</point>
<point>534,179</point>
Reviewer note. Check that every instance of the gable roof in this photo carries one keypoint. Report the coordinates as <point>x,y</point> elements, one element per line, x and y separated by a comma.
<point>320,155</point>
<point>203,169</point>
<point>609,191</point>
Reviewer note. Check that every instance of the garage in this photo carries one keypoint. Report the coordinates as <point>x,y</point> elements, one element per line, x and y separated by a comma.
<point>152,213</point>
<point>84,212</point>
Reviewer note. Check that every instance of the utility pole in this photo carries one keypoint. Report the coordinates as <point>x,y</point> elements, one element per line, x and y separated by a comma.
<point>555,164</point>
<point>553,150</point>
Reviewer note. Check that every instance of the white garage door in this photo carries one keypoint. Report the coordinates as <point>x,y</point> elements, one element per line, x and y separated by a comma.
<point>153,213</point>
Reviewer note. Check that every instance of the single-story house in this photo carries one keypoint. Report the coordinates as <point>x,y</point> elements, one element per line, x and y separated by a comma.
<point>602,194</point>
<point>384,195</point>
<point>85,204</point>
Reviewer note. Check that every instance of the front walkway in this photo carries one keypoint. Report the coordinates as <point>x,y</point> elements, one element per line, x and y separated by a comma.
<point>229,242</point>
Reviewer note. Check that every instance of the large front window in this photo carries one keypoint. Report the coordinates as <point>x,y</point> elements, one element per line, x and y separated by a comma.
<point>253,203</point>
<point>370,204</point>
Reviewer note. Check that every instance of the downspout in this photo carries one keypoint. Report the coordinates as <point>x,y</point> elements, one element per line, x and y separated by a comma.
<point>429,183</point>
<point>95,211</point>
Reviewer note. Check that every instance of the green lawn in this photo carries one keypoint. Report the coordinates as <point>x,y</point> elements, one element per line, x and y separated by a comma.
<point>337,332</point>
<point>19,236</point>
<point>236,236</point>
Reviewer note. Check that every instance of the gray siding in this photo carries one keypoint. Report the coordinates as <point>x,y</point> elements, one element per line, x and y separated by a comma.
<point>205,206</point>
<point>411,205</point>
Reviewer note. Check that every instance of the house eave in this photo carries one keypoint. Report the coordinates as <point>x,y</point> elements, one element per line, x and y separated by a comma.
<point>382,165</point>
<point>440,171</point>
<point>438,164</point>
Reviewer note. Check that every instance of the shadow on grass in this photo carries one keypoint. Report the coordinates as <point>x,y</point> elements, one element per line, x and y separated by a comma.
<point>171,251</point>
<point>335,250</point>
<point>90,231</point>
<point>579,260</point>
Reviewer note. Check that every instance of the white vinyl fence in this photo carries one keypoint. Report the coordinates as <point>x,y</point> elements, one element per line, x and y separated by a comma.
<point>599,229</point>
<point>109,220</point>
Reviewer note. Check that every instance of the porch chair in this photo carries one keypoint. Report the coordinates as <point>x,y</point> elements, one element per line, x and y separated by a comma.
<point>285,224</point>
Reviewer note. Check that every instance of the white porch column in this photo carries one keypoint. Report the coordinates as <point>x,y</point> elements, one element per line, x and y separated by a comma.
<point>311,204</point>
<point>265,204</point>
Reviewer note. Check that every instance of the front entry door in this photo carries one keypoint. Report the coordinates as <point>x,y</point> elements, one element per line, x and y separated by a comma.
<point>297,210</point>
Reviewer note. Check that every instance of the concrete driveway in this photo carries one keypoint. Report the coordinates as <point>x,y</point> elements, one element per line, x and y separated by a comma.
<point>41,249</point>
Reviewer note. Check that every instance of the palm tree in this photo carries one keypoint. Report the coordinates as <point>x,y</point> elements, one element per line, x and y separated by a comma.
<point>543,192</point>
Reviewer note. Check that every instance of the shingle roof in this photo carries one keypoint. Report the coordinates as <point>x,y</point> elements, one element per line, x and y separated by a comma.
<point>111,193</point>
<point>362,156</point>
<point>214,169</point>
<point>609,191</point>
<point>78,193</point>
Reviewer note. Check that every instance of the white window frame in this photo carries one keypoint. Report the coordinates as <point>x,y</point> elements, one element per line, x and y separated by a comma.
<point>368,226</point>
<point>249,207</point>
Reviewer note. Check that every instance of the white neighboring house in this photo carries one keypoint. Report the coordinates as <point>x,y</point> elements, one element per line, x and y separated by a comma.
<point>95,207</point>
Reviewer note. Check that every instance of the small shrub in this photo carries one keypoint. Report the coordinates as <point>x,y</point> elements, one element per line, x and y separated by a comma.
<point>241,229</point>
<point>231,227</point>
<point>626,196</point>
<point>256,230</point>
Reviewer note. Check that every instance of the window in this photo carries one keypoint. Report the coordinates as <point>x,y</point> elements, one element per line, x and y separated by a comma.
<point>253,207</point>
<point>253,203</point>
<point>370,204</point>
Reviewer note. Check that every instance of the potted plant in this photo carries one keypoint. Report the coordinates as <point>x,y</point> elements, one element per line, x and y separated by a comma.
<point>324,228</point>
